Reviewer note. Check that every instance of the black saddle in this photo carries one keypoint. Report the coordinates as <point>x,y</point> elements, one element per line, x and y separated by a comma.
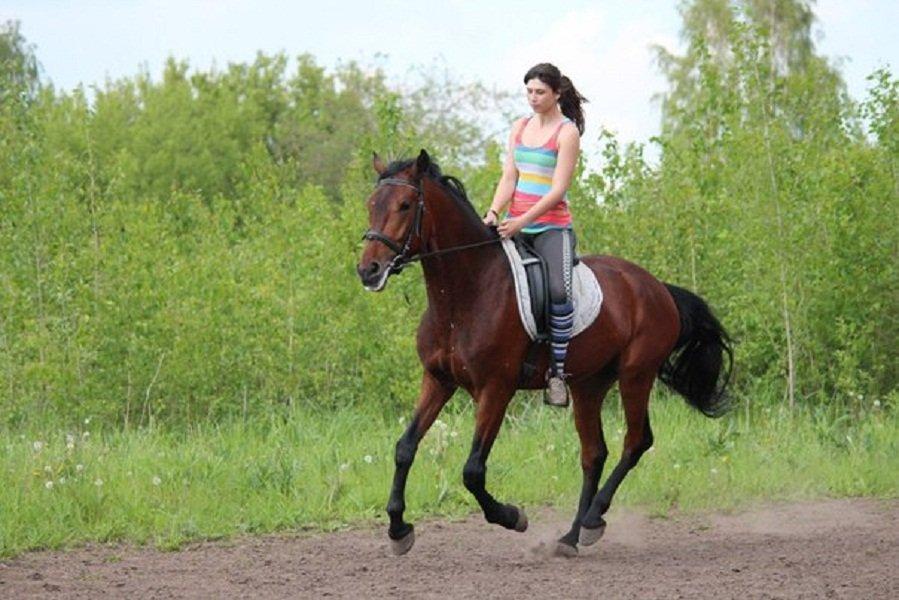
<point>538,286</point>
<point>538,289</point>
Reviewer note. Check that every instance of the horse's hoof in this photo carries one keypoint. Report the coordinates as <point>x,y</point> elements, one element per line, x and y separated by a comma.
<point>588,537</point>
<point>565,550</point>
<point>404,544</point>
<point>522,523</point>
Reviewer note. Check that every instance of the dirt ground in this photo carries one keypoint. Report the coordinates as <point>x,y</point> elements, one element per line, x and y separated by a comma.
<point>826,549</point>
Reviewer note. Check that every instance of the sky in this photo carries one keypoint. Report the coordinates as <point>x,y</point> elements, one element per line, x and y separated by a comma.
<point>603,46</point>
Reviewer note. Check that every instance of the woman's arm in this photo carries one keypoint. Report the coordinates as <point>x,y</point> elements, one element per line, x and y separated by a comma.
<point>506,187</point>
<point>569,147</point>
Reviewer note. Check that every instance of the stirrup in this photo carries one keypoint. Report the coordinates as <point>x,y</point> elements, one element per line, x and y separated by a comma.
<point>556,392</point>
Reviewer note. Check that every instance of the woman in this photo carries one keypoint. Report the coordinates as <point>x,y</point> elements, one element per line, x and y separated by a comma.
<point>540,162</point>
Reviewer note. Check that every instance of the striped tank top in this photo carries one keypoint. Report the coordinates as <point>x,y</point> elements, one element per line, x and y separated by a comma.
<point>536,165</point>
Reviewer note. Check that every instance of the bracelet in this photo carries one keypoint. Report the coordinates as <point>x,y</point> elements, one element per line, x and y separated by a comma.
<point>495,214</point>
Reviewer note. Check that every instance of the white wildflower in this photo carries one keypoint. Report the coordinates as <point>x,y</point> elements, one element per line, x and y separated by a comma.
<point>677,465</point>
<point>86,434</point>
<point>79,468</point>
<point>87,421</point>
<point>714,471</point>
<point>38,446</point>
<point>877,404</point>
<point>344,466</point>
<point>368,458</point>
<point>454,433</point>
<point>48,485</point>
<point>70,439</point>
<point>62,480</point>
<point>98,482</point>
<point>401,420</point>
<point>439,424</point>
<point>70,445</point>
<point>550,447</point>
<point>156,480</point>
<point>48,469</point>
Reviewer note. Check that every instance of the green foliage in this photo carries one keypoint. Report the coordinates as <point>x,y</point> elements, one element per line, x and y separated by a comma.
<point>771,201</point>
<point>183,250</point>
<point>18,65</point>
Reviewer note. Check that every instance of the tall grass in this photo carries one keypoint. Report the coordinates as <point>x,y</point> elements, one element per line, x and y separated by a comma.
<point>65,486</point>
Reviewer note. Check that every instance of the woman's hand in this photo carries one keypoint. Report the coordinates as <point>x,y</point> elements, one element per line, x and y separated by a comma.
<point>491,218</point>
<point>510,227</point>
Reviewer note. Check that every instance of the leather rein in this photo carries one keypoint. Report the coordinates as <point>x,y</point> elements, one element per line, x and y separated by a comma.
<point>402,258</point>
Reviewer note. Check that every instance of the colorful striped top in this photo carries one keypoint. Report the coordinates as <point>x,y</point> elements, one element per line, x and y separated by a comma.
<point>536,165</point>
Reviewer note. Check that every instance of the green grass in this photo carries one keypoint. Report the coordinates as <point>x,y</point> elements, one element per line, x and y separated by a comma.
<point>64,487</point>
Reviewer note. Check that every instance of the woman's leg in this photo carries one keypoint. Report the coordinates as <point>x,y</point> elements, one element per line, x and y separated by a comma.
<point>557,247</point>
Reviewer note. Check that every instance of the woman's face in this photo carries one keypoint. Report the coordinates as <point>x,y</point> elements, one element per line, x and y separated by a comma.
<point>541,97</point>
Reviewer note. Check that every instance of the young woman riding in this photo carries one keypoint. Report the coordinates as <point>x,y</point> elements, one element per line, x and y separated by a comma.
<point>542,155</point>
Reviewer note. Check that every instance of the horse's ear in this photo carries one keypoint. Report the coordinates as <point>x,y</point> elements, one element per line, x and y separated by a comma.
<point>422,163</point>
<point>377,163</point>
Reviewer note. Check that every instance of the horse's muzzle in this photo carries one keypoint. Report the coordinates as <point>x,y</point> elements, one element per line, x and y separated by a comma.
<point>373,275</point>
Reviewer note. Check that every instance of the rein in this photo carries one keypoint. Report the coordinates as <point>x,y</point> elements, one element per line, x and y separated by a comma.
<point>402,259</point>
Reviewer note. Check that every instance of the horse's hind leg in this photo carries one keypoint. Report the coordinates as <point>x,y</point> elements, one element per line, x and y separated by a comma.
<point>588,398</point>
<point>490,414</point>
<point>434,395</point>
<point>638,439</point>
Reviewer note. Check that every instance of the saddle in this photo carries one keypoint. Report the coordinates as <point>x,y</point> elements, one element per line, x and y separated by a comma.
<point>532,294</point>
<point>537,282</point>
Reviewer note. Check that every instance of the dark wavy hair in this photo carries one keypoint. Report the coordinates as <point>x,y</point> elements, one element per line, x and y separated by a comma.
<point>570,100</point>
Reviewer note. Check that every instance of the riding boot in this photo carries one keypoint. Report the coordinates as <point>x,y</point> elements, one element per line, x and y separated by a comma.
<point>561,321</point>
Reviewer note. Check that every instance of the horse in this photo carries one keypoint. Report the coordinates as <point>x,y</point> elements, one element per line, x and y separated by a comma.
<point>471,336</point>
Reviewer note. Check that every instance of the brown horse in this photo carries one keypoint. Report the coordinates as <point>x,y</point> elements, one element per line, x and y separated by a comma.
<point>471,336</point>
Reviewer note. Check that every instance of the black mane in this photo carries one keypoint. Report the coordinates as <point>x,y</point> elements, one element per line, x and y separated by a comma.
<point>450,184</point>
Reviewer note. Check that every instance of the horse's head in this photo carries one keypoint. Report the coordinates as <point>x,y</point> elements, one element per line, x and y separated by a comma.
<point>395,211</point>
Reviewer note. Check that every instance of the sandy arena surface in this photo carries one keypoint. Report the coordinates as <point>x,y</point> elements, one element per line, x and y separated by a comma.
<point>824,549</point>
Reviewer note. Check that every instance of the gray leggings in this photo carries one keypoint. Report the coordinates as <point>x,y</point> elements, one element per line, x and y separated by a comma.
<point>557,247</point>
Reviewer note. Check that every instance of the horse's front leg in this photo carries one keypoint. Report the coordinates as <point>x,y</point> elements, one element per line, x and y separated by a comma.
<point>434,395</point>
<point>492,406</point>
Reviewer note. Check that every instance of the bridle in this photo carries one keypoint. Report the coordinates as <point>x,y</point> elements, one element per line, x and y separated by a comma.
<point>402,258</point>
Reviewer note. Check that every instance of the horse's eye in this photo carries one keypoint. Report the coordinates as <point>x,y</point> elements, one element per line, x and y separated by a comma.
<point>404,206</point>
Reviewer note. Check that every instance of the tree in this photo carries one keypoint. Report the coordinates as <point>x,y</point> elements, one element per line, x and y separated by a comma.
<point>19,70</point>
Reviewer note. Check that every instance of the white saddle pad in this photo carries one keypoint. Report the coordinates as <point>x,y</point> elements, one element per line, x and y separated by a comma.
<point>585,291</point>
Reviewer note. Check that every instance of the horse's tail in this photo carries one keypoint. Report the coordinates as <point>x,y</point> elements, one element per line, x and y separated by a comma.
<point>696,368</point>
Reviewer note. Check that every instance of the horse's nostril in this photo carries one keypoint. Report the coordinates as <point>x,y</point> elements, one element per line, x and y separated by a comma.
<point>370,270</point>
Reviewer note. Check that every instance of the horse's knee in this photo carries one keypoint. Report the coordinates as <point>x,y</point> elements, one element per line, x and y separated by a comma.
<point>645,443</point>
<point>603,453</point>
<point>633,456</point>
<point>473,475</point>
<point>592,464</point>
<point>647,437</point>
<point>404,454</point>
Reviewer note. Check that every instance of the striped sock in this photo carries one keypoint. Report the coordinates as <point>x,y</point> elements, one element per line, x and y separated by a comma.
<point>561,322</point>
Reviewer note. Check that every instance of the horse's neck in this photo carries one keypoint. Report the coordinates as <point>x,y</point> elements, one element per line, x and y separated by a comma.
<point>456,279</point>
